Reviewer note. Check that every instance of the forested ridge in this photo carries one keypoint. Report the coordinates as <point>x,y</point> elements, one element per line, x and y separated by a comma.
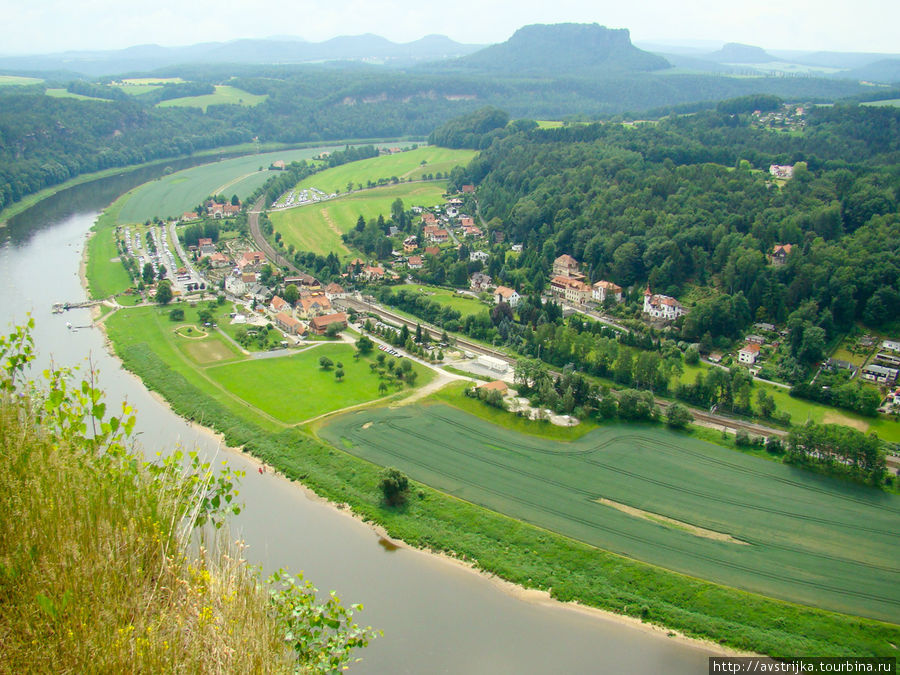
<point>45,140</point>
<point>689,203</point>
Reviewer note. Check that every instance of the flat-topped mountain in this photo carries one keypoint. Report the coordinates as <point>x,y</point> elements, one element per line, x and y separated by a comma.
<point>734,52</point>
<point>565,48</point>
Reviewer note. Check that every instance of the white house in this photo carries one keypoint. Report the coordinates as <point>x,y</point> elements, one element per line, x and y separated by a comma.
<point>662,306</point>
<point>507,295</point>
<point>606,289</point>
<point>892,345</point>
<point>235,286</point>
<point>748,354</point>
<point>479,255</point>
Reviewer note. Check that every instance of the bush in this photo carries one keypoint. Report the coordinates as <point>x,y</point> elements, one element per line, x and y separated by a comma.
<point>394,486</point>
<point>678,417</point>
<point>176,314</point>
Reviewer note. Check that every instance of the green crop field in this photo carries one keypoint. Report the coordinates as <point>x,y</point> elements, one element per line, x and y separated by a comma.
<point>65,93</point>
<point>406,165</point>
<point>318,227</point>
<point>170,196</point>
<point>800,536</point>
<point>16,80</point>
<point>466,305</point>
<point>224,94</point>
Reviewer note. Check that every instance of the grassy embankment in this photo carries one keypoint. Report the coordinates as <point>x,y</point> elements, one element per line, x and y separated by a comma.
<point>523,553</point>
<point>224,95</point>
<point>318,227</point>
<point>96,576</point>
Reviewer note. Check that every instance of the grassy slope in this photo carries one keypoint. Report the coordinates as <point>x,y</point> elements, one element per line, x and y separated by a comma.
<point>97,579</point>
<point>19,81</point>
<point>407,165</point>
<point>318,227</point>
<point>223,95</point>
<point>464,304</point>
<point>65,93</point>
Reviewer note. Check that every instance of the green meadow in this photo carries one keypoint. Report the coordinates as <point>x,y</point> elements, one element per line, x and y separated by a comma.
<point>318,227</point>
<point>65,93</point>
<point>657,496</point>
<point>466,305</point>
<point>406,165</point>
<point>224,95</point>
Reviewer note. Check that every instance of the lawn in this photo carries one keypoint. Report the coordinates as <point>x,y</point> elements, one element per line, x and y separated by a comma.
<point>800,537</point>
<point>406,165</point>
<point>294,388</point>
<point>466,305</point>
<point>172,195</point>
<point>223,95</point>
<point>318,227</point>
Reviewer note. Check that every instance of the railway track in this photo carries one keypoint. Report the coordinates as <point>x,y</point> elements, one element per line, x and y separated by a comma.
<point>709,419</point>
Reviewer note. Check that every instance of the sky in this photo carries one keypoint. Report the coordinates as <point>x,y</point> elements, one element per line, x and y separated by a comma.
<point>44,26</point>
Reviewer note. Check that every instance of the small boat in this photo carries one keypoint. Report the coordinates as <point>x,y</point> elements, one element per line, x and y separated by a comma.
<point>69,325</point>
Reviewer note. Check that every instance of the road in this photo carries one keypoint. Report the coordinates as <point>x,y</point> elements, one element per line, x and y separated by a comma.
<point>706,418</point>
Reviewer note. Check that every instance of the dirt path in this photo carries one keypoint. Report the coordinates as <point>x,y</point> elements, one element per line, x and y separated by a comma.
<point>219,190</point>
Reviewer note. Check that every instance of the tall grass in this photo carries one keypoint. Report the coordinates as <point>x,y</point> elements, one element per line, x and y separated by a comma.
<point>94,576</point>
<point>104,565</point>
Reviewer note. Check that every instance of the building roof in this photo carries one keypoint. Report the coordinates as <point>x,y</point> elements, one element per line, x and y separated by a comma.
<point>279,303</point>
<point>334,288</point>
<point>496,385</point>
<point>567,260</point>
<point>504,291</point>
<point>609,286</point>
<point>323,321</point>
<point>750,348</point>
<point>287,320</point>
<point>782,248</point>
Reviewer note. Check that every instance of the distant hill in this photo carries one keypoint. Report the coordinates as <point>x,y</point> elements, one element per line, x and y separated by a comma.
<point>734,52</point>
<point>886,70</point>
<point>562,49</point>
<point>143,58</point>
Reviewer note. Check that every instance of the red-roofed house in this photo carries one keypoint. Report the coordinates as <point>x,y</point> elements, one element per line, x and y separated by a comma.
<point>251,259</point>
<point>432,250</point>
<point>496,385</point>
<point>314,305</point>
<point>289,324</point>
<point>320,324</point>
<point>566,266</point>
<point>468,189</point>
<point>415,262</point>
<point>279,305</point>
<point>466,221</point>
<point>662,306</point>
<point>780,254</point>
<point>748,354</point>
<point>334,290</point>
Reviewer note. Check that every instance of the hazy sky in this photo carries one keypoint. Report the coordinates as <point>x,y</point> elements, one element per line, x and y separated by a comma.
<point>33,26</point>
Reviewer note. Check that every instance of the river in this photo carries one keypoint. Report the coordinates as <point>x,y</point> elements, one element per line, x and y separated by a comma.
<point>437,616</point>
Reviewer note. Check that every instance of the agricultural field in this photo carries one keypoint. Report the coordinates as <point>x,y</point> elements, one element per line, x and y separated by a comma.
<point>318,227</point>
<point>657,496</point>
<point>224,95</point>
<point>892,101</point>
<point>172,195</point>
<point>273,392</point>
<point>135,86</point>
<point>466,305</point>
<point>65,93</point>
<point>406,165</point>
<point>18,81</point>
